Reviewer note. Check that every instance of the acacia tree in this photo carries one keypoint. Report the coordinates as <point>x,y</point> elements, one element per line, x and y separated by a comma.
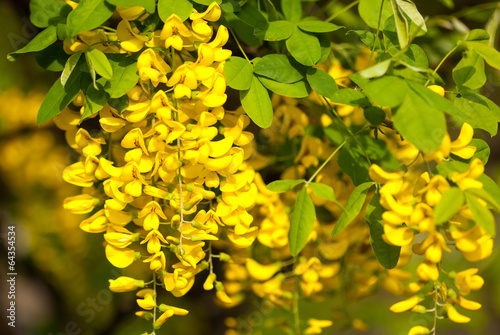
<point>239,144</point>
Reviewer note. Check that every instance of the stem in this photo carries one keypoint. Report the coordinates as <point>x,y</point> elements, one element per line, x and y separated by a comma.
<point>378,32</point>
<point>180,196</point>
<point>239,45</point>
<point>154,295</point>
<point>343,10</point>
<point>331,156</point>
<point>296,314</point>
<point>348,130</point>
<point>435,309</point>
<point>441,63</point>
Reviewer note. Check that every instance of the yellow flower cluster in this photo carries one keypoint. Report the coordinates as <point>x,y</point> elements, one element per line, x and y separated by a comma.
<point>169,175</point>
<point>412,201</point>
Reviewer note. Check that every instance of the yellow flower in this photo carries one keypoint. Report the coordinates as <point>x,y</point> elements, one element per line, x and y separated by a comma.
<point>474,243</point>
<point>432,246</point>
<point>184,79</point>
<point>468,280</point>
<point>460,146</point>
<point>130,13</point>
<point>316,326</point>
<point>173,31</point>
<point>157,261</point>
<point>261,272</point>
<point>419,330</point>
<point>164,317</point>
<point>153,240</point>
<point>468,179</point>
<point>125,284</point>
<point>399,236</point>
<point>120,239</point>
<point>110,120</point>
<point>209,282</point>
<point>97,223</point>
<point>213,94</point>
<point>406,305</point>
<point>427,271</point>
<point>130,38</point>
<point>148,301</point>
<point>151,66</point>
<point>80,204</point>
<point>75,174</point>
<point>152,213</point>
<point>121,257</point>
<point>212,13</point>
<point>467,304</point>
<point>454,316</point>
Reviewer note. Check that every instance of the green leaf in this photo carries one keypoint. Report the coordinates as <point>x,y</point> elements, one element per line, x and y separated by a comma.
<point>182,8</point>
<point>229,6</point>
<point>95,99</point>
<point>322,83</point>
<point>449,205</point>
<point>478,35</point>
<point>368,38</point>
<point>301,222</point>
<point>352,208</point>
<point>481,215</point>
<point>374,115</point>
<point>317,26</point>
<point>89,14</point>
<point>348,96</point>
<point>479,112</point>
<point>70,66</point>
<point>352,161</point>
<point>281,68</point>
<point>45,38</point>
<point>323,191</point>
<point>46,12</point>
<point>437,101</point>
<point>326,48</point>
<point>387,91</point>
<point>299,89</point>
<point>59,98</point>
<point>411,10</point>
<point>292,10</point>
<point>99,62</point>
<point>489,54</point>
<point>275,31</point>
<point>490,186</point>
<point>484,195</point>
<point>415,56</point>
<point>369,11</point>
<point>304,47</point>
<point>244,31</point>
<point>282,186</point>
<point>420,123</point>
<point>402,28</point>
<point>253,17</point>
<point>358,80</point>
<point>125,75</point>
<point>149,5</point>
<point>257,104</point>
<point>469,72</point>
<point>52,58</point>
<point>377,70</point>
<point>238,72</point>
<point>387,255</point>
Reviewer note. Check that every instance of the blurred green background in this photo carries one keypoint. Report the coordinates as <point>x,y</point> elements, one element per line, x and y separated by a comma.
<point>62,281</point>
